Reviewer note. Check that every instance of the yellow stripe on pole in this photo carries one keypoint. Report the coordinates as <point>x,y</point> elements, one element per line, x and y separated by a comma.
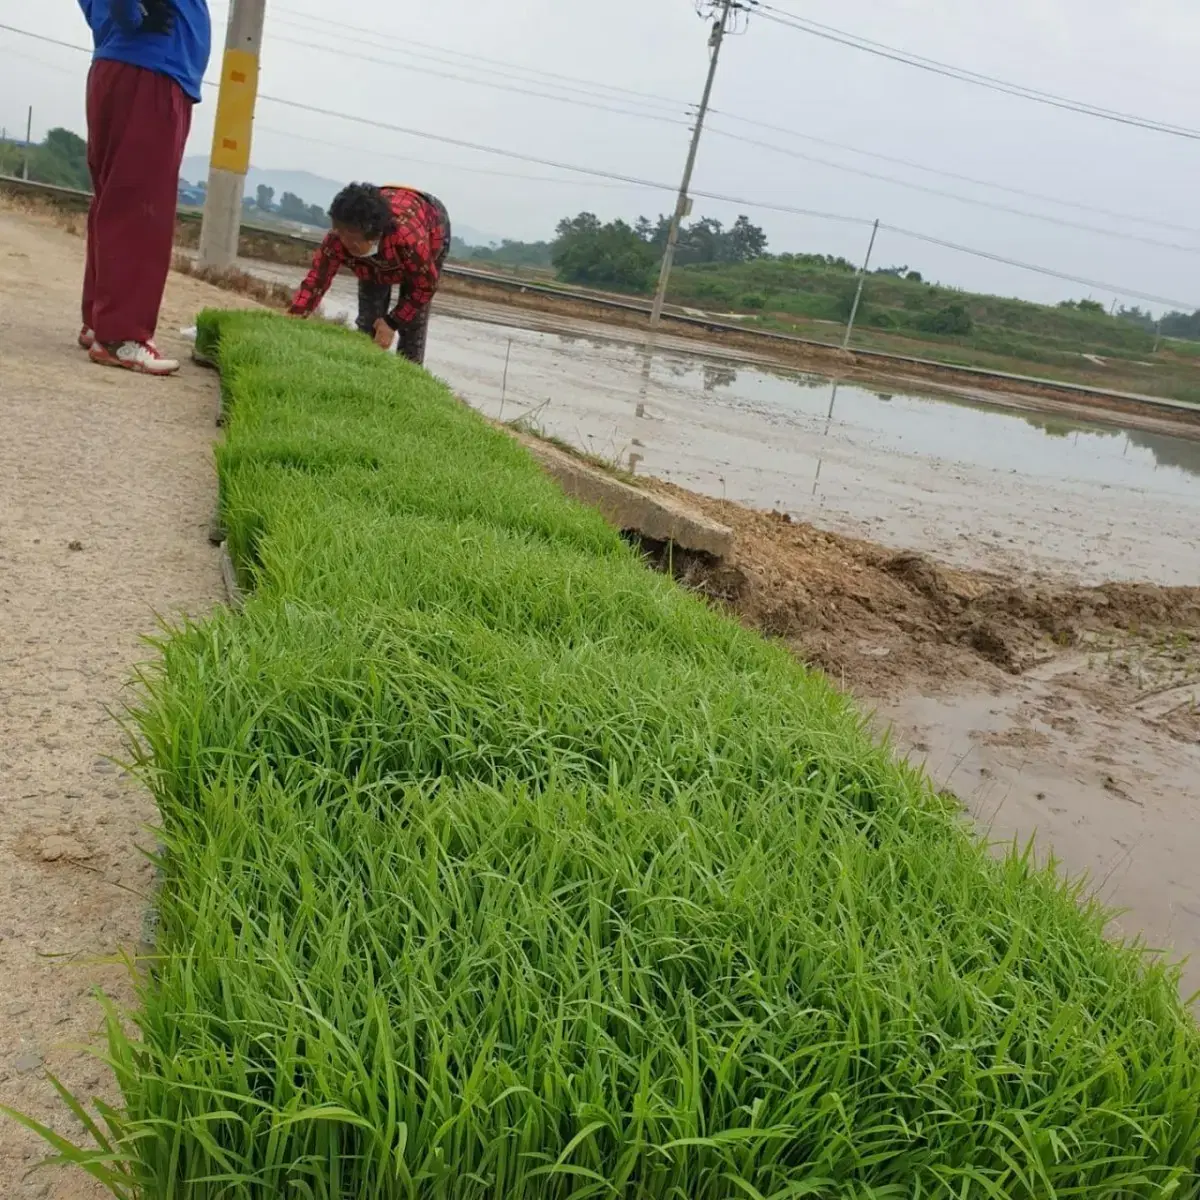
<point>235,112</point>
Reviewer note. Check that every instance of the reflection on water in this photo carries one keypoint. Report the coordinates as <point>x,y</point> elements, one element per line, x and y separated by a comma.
<point>719,377</point>
<point>953,428</point>
<point>1168,451</point>
<point>1181,453</point>
<point>588,374</point>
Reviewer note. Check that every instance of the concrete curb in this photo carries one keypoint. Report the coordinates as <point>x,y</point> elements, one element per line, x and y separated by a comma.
<point>630,509</point>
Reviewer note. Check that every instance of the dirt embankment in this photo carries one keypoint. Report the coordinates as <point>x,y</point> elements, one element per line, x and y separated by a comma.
<point>882,622</point>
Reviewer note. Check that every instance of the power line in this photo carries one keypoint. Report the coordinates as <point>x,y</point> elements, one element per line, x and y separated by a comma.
<point>735,200</point>
<point>359,56</point>
<point>862,173</point>
<point>425,162</point>
<point>589,87</point>
<point>1047,271</point>
<point>973,200</point>
<point>461,143</point>
<point>597,173</point>
<point>963,75</point>
<point>960,178</point>
<point>41,37</point>
<point>497,66</point>
<point>588,91</point>
<point>556,164</point>
<point>41,62</point>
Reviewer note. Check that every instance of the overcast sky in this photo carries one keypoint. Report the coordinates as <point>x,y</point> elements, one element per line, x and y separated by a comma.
<point>1136,56</point>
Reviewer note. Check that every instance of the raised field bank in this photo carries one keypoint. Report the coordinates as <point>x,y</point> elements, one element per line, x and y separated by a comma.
<point>497,865</point>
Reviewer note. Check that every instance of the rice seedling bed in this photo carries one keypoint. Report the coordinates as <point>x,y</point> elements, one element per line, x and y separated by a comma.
<point>495,865</point>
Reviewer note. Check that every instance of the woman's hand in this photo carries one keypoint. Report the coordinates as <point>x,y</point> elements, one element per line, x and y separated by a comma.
<point>384,334</point>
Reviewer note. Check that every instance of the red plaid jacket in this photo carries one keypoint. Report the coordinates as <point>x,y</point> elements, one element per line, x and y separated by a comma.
<point>409,256</point>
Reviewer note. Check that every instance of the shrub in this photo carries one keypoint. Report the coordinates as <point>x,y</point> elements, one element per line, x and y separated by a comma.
<point>953,318</point>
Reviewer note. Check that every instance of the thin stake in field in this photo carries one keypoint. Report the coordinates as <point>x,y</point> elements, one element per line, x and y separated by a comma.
<point>504,381</point>
<point>825,435</point>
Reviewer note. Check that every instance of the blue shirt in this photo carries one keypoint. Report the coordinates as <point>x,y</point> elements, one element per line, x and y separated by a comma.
<point>182,54</point>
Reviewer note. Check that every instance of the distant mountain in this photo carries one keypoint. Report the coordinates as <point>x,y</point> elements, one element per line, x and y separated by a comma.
<point>313,189</point>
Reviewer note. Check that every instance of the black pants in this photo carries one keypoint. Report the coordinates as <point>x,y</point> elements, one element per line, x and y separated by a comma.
<point>375,301</point>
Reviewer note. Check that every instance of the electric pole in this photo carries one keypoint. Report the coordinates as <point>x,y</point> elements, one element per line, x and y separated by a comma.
<point>232,133</point>
<point>28,144</point>
<point>683,204</point>
<point>862,277</point>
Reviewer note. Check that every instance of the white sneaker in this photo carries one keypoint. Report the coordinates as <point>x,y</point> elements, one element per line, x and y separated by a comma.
<point>87,338</point>
<point>143,357</point>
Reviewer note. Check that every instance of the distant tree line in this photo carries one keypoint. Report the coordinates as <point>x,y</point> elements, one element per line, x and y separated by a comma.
<point>1174,324</point>
<point>610,254</point>
<point>508,253</point>
<point>60,160</point>
<point>624,256</point>
<point>619,255</point>
<point>290,207</point>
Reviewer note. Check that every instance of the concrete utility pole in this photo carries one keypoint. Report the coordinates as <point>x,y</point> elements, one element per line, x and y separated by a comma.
<point>862,278</point>
<point>232,133</point>
<point>683,204</point>
<point>28,144</point>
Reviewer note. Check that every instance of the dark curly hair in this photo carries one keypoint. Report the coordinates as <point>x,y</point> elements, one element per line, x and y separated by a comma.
<point>363,207</point>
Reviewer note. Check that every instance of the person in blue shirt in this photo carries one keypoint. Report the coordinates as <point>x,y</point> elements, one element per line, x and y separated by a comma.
<point>149,62</point>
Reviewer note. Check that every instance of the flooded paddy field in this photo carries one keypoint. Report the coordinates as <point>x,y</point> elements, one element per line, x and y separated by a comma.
<point>969,483</point>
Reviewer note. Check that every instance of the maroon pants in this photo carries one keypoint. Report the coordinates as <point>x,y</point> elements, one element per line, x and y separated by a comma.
<point>138,123</point>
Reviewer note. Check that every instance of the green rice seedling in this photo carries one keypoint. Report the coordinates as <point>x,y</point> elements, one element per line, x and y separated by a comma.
<point>416,449</point>
<point>497,866</point>
<point>390,990</point>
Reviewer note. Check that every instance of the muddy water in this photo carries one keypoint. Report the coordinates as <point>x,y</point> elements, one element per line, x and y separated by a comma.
<point>972,484</point>
<point>1112,795</point>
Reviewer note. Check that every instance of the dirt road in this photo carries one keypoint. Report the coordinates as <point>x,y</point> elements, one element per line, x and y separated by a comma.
<point>106,488</point>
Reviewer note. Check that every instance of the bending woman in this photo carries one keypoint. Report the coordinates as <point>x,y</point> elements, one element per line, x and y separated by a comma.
<point>390,237</point>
